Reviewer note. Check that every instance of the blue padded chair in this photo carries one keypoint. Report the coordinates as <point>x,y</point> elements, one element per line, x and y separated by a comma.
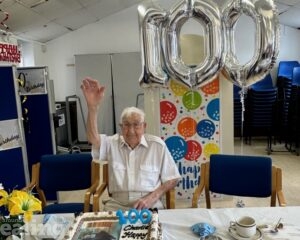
<point>264,84</point>
<point>65,172</point>
<point>296,76</point>
<point>238,175</point>
<point>285,68</point>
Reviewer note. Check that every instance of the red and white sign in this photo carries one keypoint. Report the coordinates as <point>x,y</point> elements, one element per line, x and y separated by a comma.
<point>9,53</point>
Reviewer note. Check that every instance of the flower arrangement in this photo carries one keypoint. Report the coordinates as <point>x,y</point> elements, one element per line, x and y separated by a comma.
<point>20,206</point>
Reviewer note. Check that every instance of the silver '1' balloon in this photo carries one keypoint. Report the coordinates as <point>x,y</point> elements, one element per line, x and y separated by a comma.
<point>150,21</point>
<point>264,14</point>
<point>207,13</point>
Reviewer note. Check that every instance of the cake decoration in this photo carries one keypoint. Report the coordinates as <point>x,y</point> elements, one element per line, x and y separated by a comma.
<point>134,215</point>
<point>133,224</point>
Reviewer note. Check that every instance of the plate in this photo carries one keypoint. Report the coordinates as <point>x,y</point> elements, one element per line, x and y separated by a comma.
<point>234,234</point>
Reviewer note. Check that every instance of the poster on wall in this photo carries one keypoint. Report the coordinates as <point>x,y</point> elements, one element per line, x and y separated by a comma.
<point>190,126</point>
<point>32,82</point>
<point>9,52</point>
<point>10,136</point>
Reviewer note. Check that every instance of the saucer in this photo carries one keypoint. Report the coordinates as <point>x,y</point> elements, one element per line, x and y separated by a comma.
<point>234,234</point>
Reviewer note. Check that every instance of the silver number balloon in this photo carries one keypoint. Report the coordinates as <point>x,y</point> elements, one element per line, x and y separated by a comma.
<point>150,21</point>
<point>264,14</point>
<point>207,13</point>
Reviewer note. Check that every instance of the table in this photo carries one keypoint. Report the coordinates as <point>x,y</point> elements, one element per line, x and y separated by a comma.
<point>176,223</point>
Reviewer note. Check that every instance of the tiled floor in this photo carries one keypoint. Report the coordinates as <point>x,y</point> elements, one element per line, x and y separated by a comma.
<point>288,162</point>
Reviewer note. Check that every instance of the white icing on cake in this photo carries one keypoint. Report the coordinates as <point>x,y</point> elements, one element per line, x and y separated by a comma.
<point>134,231</point>
<point>139,231</point>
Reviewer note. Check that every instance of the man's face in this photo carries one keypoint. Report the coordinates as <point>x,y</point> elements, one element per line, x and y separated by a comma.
<point>133,129</point>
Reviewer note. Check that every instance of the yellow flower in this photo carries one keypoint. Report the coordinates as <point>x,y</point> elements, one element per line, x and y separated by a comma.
<point>21,202</point>
<point>3,197</point>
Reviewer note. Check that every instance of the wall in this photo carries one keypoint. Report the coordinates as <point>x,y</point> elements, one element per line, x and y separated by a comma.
<point>120,33</point>
<point>117,33</point>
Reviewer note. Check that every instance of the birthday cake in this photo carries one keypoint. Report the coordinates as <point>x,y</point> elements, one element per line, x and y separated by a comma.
<point>107,226</point>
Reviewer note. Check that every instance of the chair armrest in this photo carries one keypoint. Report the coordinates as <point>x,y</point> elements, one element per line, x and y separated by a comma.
<point>170,199</point>
<point>196,195</point>
<point>281,199</point>
<point>280,196</point>
<point>29,187</point>
<point>34,179</point>
<point>200,187</point>
<point>97,195</point>
<point>87,196</point>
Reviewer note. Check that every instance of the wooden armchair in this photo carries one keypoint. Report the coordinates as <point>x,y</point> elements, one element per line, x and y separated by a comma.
<point>169,198</point>
<point>64,172</point>
<point>247,176</point>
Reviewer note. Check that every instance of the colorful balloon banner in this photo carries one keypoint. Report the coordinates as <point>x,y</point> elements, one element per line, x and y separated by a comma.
<point>190,127</point>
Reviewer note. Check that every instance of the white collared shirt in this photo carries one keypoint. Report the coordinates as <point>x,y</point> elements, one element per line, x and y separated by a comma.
<point>141,169</point>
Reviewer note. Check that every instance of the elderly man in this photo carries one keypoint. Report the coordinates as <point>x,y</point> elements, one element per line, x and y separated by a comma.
<point>141,168</point>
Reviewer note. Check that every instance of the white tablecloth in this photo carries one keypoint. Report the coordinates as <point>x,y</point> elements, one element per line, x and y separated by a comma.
<point>176,224</point>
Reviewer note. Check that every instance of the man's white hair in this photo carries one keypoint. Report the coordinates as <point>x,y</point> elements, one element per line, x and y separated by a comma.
<point>127,112</point>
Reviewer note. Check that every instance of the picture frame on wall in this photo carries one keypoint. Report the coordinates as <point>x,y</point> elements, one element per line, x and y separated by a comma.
<point>32,82</point>
<point>10,136</point>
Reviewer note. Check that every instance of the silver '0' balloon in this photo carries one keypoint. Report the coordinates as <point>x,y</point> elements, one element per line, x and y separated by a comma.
<point>264,14</point>
<point>207,13</point>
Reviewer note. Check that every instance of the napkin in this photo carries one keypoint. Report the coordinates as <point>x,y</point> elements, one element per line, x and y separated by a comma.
<point>203,229</point>
<point>53,226</point>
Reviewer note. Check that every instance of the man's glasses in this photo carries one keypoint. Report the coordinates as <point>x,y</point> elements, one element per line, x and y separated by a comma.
<point>136,125</point>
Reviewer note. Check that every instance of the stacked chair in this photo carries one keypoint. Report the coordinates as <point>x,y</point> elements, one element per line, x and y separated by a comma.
<point>261,105</point>
<point>285,68</point>
<point>284,85</point>
<point>294,113</point>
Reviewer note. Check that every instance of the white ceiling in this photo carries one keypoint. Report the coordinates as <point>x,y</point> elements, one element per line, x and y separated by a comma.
<point>44,20</point>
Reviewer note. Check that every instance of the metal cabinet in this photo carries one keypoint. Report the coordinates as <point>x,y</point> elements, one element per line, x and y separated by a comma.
<point>119,73</point>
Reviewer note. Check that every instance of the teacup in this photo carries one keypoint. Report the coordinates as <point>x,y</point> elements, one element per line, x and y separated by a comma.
<point>245,226</point>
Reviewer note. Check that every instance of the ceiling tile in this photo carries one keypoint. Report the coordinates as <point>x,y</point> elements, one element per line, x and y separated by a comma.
<point>6,3</point>
<point>76,19</point>
<point>21,17</point>
<point>290,18</point>
<point>288,2</point>
<point>297,5</point>
<point>61,16</point>
<point>86,3</point>
<point>282,7</point>
<point>44,34</point>
<point>104,8</point>
<point>54,9</point>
